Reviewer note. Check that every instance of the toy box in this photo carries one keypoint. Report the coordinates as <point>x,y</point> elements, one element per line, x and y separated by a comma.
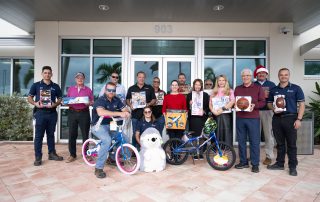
<point>176,119</point>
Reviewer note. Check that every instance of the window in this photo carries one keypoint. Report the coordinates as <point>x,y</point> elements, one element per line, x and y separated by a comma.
<point>16,76</point>
<point>5,76</point>
<point>103,67</point>
<point>163,47</point>
<point>96,58</point>
<point>221,58</point>
<point>312,68</point>
<point>107,46</point>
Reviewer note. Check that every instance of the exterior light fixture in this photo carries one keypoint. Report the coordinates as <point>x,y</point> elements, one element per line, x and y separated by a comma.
<point>218,7</point>
<point>104,7</point>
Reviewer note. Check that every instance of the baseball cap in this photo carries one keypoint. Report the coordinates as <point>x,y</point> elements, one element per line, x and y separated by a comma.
<point>79,74</point>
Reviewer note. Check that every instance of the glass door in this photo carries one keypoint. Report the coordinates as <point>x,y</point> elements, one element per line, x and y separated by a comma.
<point>166,68</point>
<point>172,67</point>
<point>152,67</point>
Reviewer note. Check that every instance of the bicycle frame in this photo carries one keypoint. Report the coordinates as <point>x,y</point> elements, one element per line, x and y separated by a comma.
<point>183,149</point>
<point>117,139</point>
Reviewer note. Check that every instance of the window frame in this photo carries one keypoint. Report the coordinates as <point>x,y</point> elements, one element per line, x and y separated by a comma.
<point>304,69</point>
<point>11,70</point>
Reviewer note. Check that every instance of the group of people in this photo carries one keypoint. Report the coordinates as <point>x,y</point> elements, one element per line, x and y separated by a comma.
<point>114,101</point>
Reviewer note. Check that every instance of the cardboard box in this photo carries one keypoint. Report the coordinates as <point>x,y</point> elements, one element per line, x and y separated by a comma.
<point>176,119</point>
<point>75,100</point>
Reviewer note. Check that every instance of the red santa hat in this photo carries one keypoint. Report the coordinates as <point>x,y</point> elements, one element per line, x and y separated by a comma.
<point>258,69</point>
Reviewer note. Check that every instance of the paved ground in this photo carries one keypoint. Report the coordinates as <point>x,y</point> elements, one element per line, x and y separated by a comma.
<point>59,181</point>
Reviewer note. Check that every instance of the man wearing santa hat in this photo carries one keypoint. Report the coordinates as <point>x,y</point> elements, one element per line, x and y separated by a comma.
<point>261,74</point>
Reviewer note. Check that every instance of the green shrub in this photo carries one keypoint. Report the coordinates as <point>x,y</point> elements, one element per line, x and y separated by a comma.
<point>16,118</point>
<point>314,106</point>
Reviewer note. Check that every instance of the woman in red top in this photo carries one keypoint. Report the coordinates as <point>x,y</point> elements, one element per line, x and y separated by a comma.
<point>174,100</point>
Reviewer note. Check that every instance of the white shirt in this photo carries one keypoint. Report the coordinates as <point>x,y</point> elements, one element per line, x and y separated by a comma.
<point>120,92</point>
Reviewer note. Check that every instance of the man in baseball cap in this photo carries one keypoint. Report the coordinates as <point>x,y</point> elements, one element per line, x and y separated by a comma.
<point>261,74</point>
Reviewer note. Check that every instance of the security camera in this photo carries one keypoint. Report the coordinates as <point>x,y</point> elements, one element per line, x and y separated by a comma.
<point>284,30</point>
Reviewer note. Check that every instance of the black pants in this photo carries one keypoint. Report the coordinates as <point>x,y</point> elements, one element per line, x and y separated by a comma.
<point>175,133</point>
<point>224,130</point>
<point>75,119</point>
<point>286,138</point>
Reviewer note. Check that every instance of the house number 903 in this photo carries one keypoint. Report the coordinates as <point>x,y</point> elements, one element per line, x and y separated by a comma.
<point>163,29</point>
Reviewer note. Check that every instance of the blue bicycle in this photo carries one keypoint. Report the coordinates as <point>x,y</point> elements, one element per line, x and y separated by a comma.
<point>220,155</point>
<point>125,155</point>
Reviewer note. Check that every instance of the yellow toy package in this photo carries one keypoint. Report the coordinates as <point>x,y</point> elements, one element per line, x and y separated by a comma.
<point>176,119</point>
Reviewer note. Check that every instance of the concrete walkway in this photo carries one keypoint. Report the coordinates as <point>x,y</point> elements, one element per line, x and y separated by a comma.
<point>59,181</point>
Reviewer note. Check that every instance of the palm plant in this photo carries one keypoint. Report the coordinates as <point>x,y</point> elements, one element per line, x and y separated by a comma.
<point>105,70</point>
<point>314,106</point>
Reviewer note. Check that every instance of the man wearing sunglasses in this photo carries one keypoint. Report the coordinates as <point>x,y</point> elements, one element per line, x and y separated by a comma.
<point>107,105</point>
<point>120,89</point>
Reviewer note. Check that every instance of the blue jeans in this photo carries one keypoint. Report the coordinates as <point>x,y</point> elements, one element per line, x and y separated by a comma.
<point>160,124</point>
<point>105,135</point>
<point>45,123</point>
<point>134,127</point>
<point>249,127</point>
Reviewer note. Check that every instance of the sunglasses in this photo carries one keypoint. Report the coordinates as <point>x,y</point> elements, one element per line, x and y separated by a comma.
<point>111,90</point>
<point>115,77</point>
<point>156,81</point>
<point>147,112</point>
<point>208,84</point>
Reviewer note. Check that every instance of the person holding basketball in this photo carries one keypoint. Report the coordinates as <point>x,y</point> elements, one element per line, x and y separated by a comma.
<point>248,121</point>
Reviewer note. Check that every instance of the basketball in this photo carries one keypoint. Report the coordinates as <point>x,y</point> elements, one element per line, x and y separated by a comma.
<point>281,102</point>
<point>242,103</point>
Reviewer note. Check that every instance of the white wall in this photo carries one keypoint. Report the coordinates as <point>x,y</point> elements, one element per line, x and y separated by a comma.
<point>48,33</point>
<point>307,84</point>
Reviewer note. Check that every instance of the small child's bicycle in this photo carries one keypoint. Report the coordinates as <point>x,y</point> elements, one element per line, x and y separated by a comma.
<point>220,156</point>
<point>124,154</point>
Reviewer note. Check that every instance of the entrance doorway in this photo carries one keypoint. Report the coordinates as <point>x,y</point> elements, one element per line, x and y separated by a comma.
<point>166,68</point>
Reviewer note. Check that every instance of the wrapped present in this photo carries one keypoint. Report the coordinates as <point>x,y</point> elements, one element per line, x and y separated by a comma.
<point>176,119</point>
<point>75,100</point>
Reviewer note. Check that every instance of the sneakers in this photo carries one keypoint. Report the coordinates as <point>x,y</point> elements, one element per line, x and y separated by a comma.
<point>54,156</point>
<point>70,159</point>
<point>293,172</point>
<point>255,169</point>
<point>275,167</point>
<point>99,173</point>
<point>38,161</point>
<point>267,161</point>
<point>241,166</point>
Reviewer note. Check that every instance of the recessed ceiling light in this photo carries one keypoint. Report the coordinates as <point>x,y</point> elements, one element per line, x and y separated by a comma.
<point>104,7</point>
<point>218,7</point>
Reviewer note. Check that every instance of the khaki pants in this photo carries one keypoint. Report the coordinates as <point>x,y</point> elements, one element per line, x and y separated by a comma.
<point>266,125</point>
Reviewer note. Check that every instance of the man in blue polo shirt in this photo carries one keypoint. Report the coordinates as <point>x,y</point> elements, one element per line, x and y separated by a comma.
<point>261,73</point>
<point>286,122</point>
<point>107,105</point>
<point>47,97</point>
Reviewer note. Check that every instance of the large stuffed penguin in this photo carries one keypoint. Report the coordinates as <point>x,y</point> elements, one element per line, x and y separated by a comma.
<point>152,155</point>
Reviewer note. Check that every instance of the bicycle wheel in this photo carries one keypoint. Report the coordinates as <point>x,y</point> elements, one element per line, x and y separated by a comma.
<point>224,162</point>
<point>128,159</point>
<point>171,157</point>
<point>90,150</point>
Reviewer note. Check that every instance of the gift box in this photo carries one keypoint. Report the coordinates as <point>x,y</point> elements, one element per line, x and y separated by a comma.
<point>176,119</point>
<point>75,100</point>
<point>243,103</point>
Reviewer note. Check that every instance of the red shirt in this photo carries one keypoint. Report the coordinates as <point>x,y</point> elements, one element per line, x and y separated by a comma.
<point>83,92</point>
<point>258,98</point>
<point>174,101</point>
